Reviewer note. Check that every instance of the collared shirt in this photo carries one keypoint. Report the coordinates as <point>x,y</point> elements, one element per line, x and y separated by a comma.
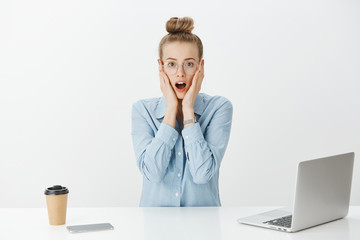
<point>181,169</point>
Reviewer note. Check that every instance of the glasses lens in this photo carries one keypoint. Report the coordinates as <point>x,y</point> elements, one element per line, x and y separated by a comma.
<point>190,67</point>
<point>170,67</point>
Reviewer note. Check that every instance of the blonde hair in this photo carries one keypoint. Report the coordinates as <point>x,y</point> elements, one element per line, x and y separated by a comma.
<point>179,29</point>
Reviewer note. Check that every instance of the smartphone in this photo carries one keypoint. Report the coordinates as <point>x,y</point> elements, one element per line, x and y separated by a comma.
<point>90,227</point>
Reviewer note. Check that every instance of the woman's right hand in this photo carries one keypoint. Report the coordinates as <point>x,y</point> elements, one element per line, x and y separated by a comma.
<point>167,90</point>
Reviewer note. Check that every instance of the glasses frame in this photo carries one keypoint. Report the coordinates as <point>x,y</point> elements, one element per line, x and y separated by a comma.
<point>183,66</point>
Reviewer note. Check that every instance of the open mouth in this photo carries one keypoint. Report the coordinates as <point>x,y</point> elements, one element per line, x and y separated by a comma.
<point>180,85</point>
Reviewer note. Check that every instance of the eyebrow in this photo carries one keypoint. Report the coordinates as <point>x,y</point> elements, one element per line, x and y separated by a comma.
<point>184,59</point>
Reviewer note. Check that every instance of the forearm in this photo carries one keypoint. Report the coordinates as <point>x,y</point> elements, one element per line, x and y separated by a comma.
<point>154,155</point>
<point>155,160</point>
<point>202,163</point>
<point>188,113</point>
<point>201,160</point>
<point>152,145</point>
<point>170,116</point>
<point>205,152</point>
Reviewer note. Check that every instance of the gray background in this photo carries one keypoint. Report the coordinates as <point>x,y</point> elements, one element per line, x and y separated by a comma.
<point>70,71</point>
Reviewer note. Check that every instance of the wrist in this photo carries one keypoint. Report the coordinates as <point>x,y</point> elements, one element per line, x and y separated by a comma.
<point>171,109</point>
<point>186,105</point>
<point>189,122</point>
<point>188,116</point>
<point>170,116</point>
<point>188,111</point>
<point>173,105</point>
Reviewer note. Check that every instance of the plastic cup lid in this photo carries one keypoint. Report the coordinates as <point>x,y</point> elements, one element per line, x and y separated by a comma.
<point>56,190</point>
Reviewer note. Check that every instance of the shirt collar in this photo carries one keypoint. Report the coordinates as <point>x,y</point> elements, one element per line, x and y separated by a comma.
<point>198,106</point>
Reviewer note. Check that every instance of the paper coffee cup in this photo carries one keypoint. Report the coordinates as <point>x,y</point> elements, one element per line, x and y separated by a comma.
<point>56,201</point>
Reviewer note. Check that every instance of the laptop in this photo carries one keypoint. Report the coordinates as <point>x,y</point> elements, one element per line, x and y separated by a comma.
<point>322,195</point>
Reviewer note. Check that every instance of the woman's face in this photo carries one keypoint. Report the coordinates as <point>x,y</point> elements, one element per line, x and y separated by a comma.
<point>180,61</point>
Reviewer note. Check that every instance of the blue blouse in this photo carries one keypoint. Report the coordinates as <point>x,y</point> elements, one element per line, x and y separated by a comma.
<point>181,169</point>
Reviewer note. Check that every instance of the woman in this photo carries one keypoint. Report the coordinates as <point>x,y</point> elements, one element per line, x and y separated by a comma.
<point>180,138</point>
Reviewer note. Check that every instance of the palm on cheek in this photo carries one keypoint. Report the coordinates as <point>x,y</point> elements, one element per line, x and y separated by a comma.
<point>166,88</point>
<point>191,94</point>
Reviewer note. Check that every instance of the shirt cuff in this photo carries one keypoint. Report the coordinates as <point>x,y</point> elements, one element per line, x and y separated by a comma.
<point>192,134</point>
<point>167,134</point>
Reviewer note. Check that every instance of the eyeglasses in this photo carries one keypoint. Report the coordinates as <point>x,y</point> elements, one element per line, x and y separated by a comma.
<point>189,67</point>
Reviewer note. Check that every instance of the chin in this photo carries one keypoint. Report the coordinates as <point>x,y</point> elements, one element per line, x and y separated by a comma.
<point>180,96</point>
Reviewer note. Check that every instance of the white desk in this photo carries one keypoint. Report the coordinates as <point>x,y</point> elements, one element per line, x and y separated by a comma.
<point>164,223</point>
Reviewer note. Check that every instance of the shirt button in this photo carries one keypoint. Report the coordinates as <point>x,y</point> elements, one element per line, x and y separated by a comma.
<point>179,175</point>
<point>179,153</point>
<point>177,194</point>
<point>174,139</point>
<point>187,137</point>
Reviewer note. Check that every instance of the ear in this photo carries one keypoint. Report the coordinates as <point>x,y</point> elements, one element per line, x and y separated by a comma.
<point>160,64</point>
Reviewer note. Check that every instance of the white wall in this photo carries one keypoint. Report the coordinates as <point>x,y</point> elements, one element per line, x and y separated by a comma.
<point>70,70</point>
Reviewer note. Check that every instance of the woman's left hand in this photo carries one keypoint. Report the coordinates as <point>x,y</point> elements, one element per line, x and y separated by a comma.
<point>191,94</point>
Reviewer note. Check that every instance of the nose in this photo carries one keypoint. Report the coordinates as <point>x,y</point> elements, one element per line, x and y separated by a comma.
<point>180,71</point>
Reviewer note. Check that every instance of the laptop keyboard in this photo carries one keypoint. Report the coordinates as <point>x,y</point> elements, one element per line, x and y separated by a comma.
<point>282,222</point>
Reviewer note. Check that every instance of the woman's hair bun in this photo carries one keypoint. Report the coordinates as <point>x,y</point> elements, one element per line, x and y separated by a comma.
<point>176,25</point>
